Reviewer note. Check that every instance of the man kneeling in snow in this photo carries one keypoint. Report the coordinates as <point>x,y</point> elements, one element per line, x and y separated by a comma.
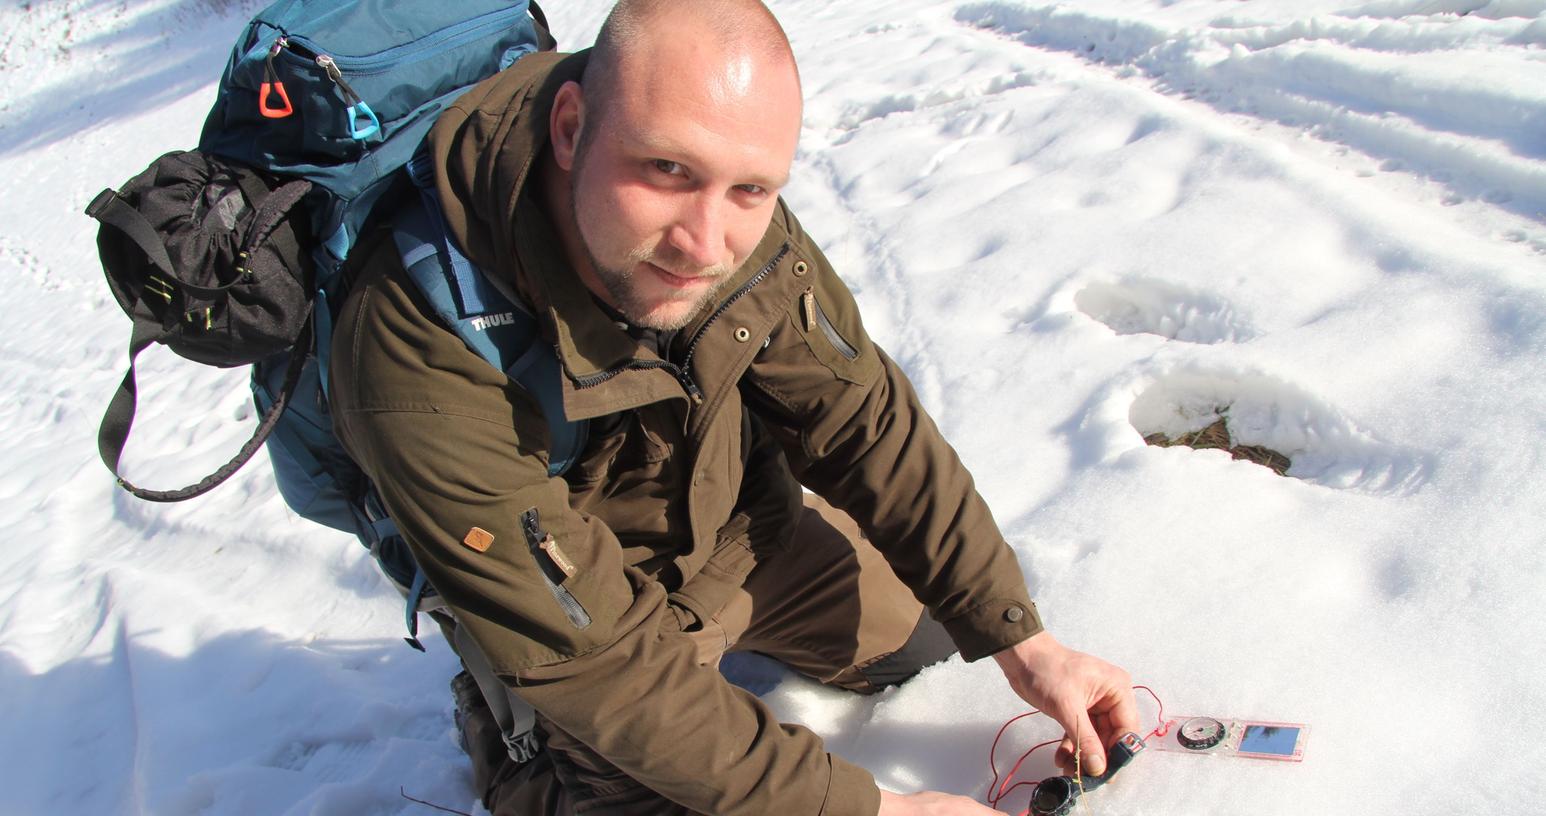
<point>629,196</point>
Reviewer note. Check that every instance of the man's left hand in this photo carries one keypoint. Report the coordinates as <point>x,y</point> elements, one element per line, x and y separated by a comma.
<point>1089,697</point>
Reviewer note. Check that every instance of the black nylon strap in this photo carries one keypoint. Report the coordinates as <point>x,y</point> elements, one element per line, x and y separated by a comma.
<point>110,208</point>
<point>120,417</point>
<point>120,410</point>
<point>269,223</point>
<point>545,41</point>
<point>271,212</point>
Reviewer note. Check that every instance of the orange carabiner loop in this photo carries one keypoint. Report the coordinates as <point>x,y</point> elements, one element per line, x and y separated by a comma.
<point>263,101</point>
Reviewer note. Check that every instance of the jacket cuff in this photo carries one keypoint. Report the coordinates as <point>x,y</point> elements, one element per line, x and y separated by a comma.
<point>851,790</point>
<point>994,626</point>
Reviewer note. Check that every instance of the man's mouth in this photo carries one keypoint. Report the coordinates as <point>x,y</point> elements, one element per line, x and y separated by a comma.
<point>677,281</point>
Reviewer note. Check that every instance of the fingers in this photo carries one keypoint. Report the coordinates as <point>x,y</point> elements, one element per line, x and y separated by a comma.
<point>1064,758</point>
<point>1116,713</point>
<point>1092,753</point>
<point>1111,711</point>
<point>1092,699</point>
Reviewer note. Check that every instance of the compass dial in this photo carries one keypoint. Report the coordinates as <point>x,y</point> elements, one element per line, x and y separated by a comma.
<point>1201,733</point>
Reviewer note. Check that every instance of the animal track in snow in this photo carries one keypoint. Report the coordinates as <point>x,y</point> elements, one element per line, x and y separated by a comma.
<point>17,261</point>
<point>1170,311</point>
<point>859,113</point>
<point>322,758</point>
<point>1390,81</point>
<point>1325,446</point>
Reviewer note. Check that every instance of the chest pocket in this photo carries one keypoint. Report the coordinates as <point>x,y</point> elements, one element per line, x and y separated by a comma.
<point>619,443</point>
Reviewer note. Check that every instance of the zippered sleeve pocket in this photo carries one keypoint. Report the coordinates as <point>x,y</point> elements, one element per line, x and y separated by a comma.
<point>815,317</point>
<point>825,315</point>
<point>555,567</point>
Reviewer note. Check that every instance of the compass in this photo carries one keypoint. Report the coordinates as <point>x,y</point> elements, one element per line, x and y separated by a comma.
<point>1201,733</point>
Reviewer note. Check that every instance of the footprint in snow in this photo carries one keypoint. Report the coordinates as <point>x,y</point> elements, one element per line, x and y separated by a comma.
<point>1321,445</point>
<point>1155,307</point>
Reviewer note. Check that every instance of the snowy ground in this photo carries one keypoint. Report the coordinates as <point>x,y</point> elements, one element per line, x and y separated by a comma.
<point>1074,224</point>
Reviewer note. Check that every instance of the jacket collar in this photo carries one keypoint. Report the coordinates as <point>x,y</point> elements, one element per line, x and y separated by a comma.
<point>485,148</point>
<point>589,344</point>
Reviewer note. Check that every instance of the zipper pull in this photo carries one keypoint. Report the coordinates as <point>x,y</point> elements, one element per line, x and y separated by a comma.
<point>808,308</point>
<point>531,526</point>
<point>549,545</point>
<point>545,548</point>
<point>272,85</point>
<point>363,123</point>
<point>331,69</point>
<point>555,568</point>
<point>691,387</point>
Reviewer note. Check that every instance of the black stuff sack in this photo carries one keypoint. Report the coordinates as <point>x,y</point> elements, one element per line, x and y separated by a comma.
<point>213,260</point>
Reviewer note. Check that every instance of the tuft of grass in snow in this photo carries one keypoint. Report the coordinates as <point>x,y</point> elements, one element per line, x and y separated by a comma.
<point>1216,437</point>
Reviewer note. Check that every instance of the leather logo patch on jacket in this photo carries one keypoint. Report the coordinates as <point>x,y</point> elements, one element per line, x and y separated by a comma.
<point>478,539</point>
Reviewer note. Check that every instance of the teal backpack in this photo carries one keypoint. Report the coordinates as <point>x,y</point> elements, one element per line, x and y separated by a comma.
<point>340,95</point>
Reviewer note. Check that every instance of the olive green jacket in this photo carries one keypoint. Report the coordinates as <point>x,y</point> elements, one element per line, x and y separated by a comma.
<point>694,479</point>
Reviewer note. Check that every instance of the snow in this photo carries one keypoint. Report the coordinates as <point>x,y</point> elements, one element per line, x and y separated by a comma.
<point>1074,224</point>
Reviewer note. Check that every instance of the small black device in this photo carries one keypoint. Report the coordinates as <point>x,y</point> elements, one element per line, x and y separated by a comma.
<point>1055,795</point>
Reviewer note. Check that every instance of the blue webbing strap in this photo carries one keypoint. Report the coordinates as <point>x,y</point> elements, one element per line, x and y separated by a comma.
<point>467,289</point>
<point>501,332</point>
<point>322,330</point>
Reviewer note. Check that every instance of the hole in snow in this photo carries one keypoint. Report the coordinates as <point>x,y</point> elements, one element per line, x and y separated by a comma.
<point>1156,307</point>
<point>1247,411</point>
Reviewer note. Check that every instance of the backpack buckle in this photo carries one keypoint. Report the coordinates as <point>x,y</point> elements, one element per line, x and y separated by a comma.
<point>101,203</point>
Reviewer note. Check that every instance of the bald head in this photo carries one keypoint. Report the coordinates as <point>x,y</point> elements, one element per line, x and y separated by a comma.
<point>669,156</point>
<point>737,42</point>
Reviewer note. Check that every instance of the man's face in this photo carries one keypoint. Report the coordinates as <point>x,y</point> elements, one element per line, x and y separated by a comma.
<point>674,183</point>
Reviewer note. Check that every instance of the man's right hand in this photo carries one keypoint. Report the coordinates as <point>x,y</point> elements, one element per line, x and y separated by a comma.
<point>930,803</point>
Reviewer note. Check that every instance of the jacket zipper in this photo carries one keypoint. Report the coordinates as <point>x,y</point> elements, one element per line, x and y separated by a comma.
<point>632,365</point>
<point>692,345</point>
<point>555,569</point>
<point>683,372</point>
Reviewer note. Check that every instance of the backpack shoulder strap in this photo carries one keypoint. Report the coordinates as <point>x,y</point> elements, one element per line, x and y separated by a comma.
<point>500,331</point>
<point>545,40</point>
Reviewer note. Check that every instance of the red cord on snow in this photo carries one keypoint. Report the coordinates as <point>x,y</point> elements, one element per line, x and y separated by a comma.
<point>998,791</point>
<point>1164,725</point>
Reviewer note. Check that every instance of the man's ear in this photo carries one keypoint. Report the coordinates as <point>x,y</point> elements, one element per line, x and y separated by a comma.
<point>565,122</point>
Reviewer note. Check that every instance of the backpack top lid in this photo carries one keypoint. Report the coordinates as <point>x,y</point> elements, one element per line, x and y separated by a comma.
<point>343,93</point>
<point>321,104</point>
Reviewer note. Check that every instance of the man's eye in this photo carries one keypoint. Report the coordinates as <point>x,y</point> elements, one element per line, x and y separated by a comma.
<point>751,189</point>
<point>668,167</point>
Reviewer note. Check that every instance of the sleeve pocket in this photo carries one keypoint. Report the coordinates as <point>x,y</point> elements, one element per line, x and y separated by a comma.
<point>831,329</point>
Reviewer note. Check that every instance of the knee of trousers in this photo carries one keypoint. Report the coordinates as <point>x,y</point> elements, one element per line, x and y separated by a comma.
<point>928,644</point>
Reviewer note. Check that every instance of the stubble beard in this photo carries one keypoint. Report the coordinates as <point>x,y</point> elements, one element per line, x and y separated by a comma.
<point>665,313</point>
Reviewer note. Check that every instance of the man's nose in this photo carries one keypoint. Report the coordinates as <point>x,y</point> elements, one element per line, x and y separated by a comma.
<point>699,232</point>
